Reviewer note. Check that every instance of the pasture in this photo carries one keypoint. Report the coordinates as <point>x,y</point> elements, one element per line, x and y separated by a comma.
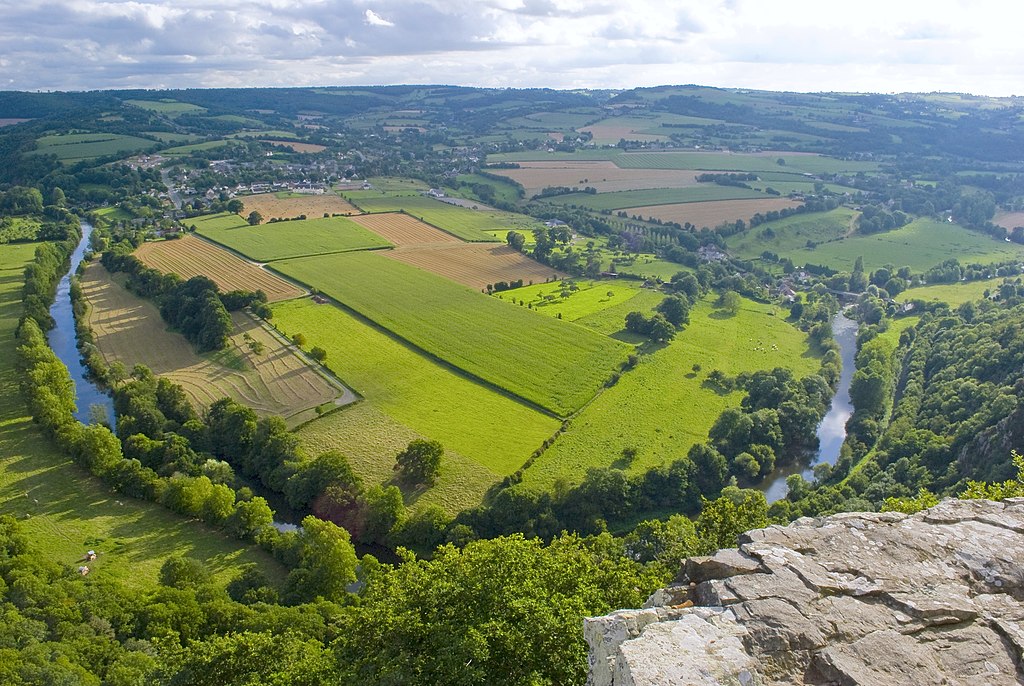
<point>662,407</point>
<point>953,294</point>
<point>556,365</point>
<point>74,147</point>
<point>558,299</point>
<point>467,224</point>
<point>793,233</point>
<point>67,511</point>
<point>487,429</point>
<point>171,108</point>
<point>286,205</point>
<point>654,196</point>
<point>282,240</point>
<point>712,213</point>
<point>475,264</point>
<point>276,381</point>
<point>189,256</point>
<point>403,230</point>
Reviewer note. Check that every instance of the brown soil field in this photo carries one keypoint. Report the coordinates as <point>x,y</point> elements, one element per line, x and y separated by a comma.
<point>298,147</point>
<point>190,256</point>
<point>1009,220</point>
<point>713,212</point>
<point>475,264</point>
<point>313,206</point>
<point>401,229</point>
<point>604,176</point>
<point>277,382</point>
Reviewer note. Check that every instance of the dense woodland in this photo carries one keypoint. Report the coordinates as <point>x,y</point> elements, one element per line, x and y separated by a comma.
<point>496,593</point>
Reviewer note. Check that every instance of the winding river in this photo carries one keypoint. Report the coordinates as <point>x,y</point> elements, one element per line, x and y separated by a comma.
<point>63,341</point>
<point>832,428</point>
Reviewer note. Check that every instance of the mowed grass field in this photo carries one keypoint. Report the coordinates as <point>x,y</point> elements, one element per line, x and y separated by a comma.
<point>920,244</point>
<point>67,511</point>
<point>556,365</point>
<point>467,224</point>
<point>72,147</point>
<point>662,407</point>
<point>486,434</point>
<point>282,240</point>
<point>189,256</point>
<point>712,213</point>
<point>277,382</point>
<point>284,205</point>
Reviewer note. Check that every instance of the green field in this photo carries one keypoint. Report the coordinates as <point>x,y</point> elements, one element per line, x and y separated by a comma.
<point>467,224</point>
<point>281,240</point>
<point>66,511</point>
<point>952,293</point>
<point>73,147</point>
<point>489,433</point>
<point>194,147</point>
<point>557,299</point>
<point>792,233</point>
<point>169,107</point>
<point>650,267</point>
<point>812,164</point>
<point>554,364</point>
<point>654,196</point>
<point>661,408</point>
<point>920,245</point>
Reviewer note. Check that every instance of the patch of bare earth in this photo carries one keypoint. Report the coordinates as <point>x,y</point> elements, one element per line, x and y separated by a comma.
<point>711,213</point>
<point>313,206</point>
<point>190,256</point>
<point>275,381</point>
<point>1009,220</point>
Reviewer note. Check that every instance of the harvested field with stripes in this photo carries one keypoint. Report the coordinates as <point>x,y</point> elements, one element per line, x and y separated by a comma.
<point>476,264</point>
<point>288,205</point>
<point>402,230</point>
<point>711,213</point>
<point>189,256</point>
<point>274,382</point>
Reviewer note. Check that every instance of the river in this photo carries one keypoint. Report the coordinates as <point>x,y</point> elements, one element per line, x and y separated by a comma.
<point>63,341</point>
<point>832,428</point>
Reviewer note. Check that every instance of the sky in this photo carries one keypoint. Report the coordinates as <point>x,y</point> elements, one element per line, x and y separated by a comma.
<point>799,45</point>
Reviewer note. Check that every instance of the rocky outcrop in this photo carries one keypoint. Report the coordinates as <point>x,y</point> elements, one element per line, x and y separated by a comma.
<point>855,598</point>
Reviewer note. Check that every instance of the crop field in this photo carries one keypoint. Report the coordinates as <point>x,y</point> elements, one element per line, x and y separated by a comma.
<point>475,264</point>
<point>921,244</point>
<point>402,230</point>
<point>282,240</point>
<point>793,233</point>
<point>189,256</point>
<point>655,196</point>
<point>662,407</point>
<point>605,176</point>
<point>713,212</point>
<point>556,365</point>
<point>67,511</point>
<point>1009,220</point>
<point>953,294</point>
<point>487,430</point>
<point>285,206</point>
<point>72,147</point>
<point>275,382</point>
<point>461,222</point>
<point>744,162</point>
<point>295,146</point>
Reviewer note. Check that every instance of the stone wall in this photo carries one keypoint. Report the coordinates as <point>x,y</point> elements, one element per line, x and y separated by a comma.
<point>855,598</point>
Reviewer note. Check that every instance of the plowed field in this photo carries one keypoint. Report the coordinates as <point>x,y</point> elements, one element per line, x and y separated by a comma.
<point>272,207</point>
<point>475,264</point>
<point>712,213</point>
<point>276,382</point>
<point>189,256</point>
<point>401,229</point>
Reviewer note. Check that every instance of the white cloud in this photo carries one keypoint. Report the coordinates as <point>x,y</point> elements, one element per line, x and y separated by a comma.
<point>374,19</point>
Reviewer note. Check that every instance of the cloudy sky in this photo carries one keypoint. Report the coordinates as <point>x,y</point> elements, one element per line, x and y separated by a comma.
<point>867,45</point>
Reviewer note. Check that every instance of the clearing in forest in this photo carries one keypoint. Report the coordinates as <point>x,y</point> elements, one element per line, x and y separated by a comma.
<point>276,381</point>
<point>288,205</point>
<point>189,256</point>
<point>714,212</point>
<point>557,365</point>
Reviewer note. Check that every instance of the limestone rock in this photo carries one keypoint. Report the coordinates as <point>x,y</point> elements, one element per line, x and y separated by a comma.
<point>855,598</point>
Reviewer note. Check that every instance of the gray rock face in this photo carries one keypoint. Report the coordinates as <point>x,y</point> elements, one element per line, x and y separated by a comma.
<point>855,598</point>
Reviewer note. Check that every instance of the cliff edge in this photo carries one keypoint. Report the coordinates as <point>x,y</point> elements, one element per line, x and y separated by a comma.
<point>855,598</point>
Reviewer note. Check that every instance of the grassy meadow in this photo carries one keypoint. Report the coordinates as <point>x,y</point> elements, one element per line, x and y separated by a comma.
<point>792,233</point>
<point>655,196</point>
<point>953,294</point>
<point>67,511</point>
<point>554,364</point>
<point>74,147</point>
<point>282,240</point>
<point>662,407</point>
